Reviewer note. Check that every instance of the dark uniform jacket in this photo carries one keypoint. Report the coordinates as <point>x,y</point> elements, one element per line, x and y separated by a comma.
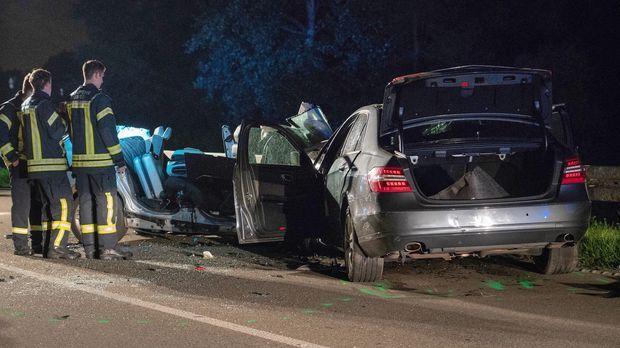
<point>93,131</point>
<point>43,131</point>
<point>10,135</point>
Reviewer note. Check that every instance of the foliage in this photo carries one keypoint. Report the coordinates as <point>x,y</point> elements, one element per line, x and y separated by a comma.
<point>261,59</point>
<point>5,181</point>
<point>601,246</point>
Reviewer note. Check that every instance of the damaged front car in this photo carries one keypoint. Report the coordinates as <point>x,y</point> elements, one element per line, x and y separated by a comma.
<point>189,191</point>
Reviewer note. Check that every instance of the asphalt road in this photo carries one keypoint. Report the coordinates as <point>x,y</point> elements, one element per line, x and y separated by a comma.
<point>260,296</point>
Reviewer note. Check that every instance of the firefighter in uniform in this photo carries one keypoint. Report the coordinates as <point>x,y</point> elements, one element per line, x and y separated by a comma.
<point>43,131</point>
<point>26,199</point>
<point>96,151</point>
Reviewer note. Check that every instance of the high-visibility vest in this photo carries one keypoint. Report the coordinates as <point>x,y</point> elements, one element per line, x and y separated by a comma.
<point>93,131</point>
<point>43,131</point>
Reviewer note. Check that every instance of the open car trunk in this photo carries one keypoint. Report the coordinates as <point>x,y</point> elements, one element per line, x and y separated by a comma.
<point>525,173</point>
<point>474,132</point>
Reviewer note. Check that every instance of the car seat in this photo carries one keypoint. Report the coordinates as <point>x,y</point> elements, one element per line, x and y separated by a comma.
<point>236,140</point>
<point>134,148</point>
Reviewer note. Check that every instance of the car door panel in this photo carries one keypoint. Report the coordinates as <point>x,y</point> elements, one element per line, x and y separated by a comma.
<point>338,176</point>
<point>271,192</point>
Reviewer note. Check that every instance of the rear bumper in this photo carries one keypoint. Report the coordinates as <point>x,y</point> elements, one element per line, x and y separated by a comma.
<point>471,229</point>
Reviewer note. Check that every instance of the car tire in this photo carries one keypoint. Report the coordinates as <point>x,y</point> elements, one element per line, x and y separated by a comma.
<point>121,222</point>
<point>558,260</point>
<point>360,268</point>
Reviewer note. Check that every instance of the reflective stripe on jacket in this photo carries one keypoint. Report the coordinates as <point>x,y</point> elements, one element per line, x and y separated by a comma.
<point>43,130</point>
<point>11,144</point>
<point>93,131</point>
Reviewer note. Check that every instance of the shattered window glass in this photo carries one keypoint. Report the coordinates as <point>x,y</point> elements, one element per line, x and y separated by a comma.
<point>267,146</point>
<point>355,135</point>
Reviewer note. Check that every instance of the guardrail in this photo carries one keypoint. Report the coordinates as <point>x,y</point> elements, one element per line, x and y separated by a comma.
<point>603,183</point>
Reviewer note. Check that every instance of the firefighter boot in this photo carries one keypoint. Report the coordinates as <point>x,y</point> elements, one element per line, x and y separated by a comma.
<point>21,245</point>
<point>62,253</point>
<point>111,255</point>
<point>36,240</point>
<point>90,250</point>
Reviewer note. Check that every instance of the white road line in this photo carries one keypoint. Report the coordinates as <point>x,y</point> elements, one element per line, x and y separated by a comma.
<point>164,309</point>
<point>165,264</point>
<point>4,213</point>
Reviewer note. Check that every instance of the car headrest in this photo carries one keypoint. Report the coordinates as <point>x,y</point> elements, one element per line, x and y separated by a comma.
<point>157,142</point>
<point>236,133</point>
<point>159,131</point>
<point>167,133</point>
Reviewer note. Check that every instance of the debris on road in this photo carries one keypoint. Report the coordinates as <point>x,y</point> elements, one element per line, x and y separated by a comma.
<point>207,255</point>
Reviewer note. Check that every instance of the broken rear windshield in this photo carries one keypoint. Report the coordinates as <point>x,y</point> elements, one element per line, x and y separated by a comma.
<point>475,129</point>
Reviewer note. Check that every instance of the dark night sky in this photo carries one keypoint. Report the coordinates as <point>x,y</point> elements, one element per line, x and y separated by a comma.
<point>546,34</point>
<point>33,30</point>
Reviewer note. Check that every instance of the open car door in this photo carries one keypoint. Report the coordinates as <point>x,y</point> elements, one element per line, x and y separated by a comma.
<point>277,190</point>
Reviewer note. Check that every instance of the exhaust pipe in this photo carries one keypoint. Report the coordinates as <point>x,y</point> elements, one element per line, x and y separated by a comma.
<point>567,237</point>
<point>414,247</point>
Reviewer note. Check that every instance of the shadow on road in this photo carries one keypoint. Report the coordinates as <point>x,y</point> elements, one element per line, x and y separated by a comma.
<point>609,290</point>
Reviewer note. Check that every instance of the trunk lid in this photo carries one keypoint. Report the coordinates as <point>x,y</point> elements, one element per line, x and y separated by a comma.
<point>467,91</point>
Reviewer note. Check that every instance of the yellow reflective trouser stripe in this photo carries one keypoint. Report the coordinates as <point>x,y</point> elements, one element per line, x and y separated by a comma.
<point>62,225</point>
<point>103,113</point>
<point>4,118</point>
<point>91,164</point>
<point>113,150</point>
<point>36,227</point>
<point>106,229</point>
<point>110,205</point>
<point>19,230</point>
<point>6,148</point>
<point>87,228</point>
<point>52,118</point>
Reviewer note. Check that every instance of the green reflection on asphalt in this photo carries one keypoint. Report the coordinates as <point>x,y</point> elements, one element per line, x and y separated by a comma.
<point>526,284</point>
<point>494,284</point>
<point>378,293</point>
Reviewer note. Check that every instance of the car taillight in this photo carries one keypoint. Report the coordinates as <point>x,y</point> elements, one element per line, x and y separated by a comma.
<point>574,172</point>
<point>388,179</point>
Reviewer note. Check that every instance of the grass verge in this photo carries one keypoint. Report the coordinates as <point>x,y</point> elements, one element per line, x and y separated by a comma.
<point>601,246</point>
<point>4,178</point>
